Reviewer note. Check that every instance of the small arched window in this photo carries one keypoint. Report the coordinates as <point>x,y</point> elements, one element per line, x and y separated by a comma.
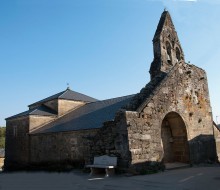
<point>178,54</point>
<point>169,55</point>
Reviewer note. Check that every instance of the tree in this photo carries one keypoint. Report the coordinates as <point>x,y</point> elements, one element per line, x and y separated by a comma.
<point>2,137</point>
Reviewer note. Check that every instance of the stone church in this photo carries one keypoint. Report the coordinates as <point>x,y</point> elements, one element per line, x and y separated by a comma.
<point>169,120</point>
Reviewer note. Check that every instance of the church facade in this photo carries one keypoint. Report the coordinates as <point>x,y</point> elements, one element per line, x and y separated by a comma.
<point>169,120</point>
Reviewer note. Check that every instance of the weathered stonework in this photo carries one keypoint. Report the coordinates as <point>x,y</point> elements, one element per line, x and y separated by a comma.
<point>169,120</point>
<point>217,139</point>
<point>17,143</point>
<point>60,147</point>
<point>184,91</point>
<point>112,139</point>
<point>182,100</point>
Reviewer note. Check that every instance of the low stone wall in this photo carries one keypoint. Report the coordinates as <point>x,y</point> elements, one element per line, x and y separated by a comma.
<point>1,162</point>
<point>16,143</point>
<point>217,140</point>
<point>112,139</point>
<point>60,148</point>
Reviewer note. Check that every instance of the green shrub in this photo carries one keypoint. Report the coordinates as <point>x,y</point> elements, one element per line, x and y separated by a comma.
<point>2,137</point>
<point>2,142</point>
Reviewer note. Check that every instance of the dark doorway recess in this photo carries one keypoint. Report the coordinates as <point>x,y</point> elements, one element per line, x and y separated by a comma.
<point>174,139</point>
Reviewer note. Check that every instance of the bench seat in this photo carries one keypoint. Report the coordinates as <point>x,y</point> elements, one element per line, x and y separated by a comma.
<point>99,166</point>
<point>103,162</point>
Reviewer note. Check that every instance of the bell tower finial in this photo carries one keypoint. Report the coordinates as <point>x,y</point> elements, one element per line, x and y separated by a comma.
<point>68,86</point>
<point>167,48</point>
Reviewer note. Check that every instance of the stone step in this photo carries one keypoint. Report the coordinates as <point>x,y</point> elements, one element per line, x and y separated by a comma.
<point>176,165</point>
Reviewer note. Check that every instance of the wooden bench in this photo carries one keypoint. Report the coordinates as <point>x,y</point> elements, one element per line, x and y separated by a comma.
<point>108,163</point>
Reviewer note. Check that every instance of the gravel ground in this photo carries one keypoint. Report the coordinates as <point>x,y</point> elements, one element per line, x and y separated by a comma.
<point>182,179</point>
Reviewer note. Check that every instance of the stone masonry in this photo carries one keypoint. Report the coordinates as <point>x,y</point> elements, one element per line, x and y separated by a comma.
<point>141,141</point>
<point>168,121</point>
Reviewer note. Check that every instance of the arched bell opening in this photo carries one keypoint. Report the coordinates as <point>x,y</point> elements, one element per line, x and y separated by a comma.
<point>169,54</point>
<point>178,57</point>
<point>174,139</point>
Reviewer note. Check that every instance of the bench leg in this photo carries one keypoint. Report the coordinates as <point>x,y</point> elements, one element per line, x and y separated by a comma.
<point>106,172</point>
<point>109,172</point>
<point>94,171</point>
<point>91,172</point>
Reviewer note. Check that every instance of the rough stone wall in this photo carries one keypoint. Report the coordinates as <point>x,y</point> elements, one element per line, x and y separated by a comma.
<point>1,162</point>
<point>37,121</point>
<point>135,136</point>
<point>66,105</point>
<point>145,93</point>
<point>112,139</point>
<point>184,91</point>
<point>217,140</point>
<point>16,150</point>
<point>167,48</point>
<point>60,147</point>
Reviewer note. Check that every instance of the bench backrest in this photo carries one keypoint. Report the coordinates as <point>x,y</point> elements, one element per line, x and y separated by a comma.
<point>105,160</point>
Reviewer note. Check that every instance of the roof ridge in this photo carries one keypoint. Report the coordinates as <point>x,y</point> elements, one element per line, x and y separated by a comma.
<point>112,98</point>
<point>72,95</point>
<point>78,93</point>
<point>44,99</point>
<point>63,93</point>
<point>99,108</point>
<point>31,112</point>
<point>60,117</point>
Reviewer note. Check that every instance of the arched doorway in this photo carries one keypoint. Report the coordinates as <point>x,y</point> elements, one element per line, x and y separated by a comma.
<point>174,139</point>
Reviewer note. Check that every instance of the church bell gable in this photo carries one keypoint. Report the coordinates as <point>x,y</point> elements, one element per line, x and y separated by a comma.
<point>166,45</point>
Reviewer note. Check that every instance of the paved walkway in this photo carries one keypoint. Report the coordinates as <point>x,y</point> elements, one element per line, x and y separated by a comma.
<point>182,179</point>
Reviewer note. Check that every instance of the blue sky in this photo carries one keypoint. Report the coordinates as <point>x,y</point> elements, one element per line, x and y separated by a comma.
<point>102,48</point>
